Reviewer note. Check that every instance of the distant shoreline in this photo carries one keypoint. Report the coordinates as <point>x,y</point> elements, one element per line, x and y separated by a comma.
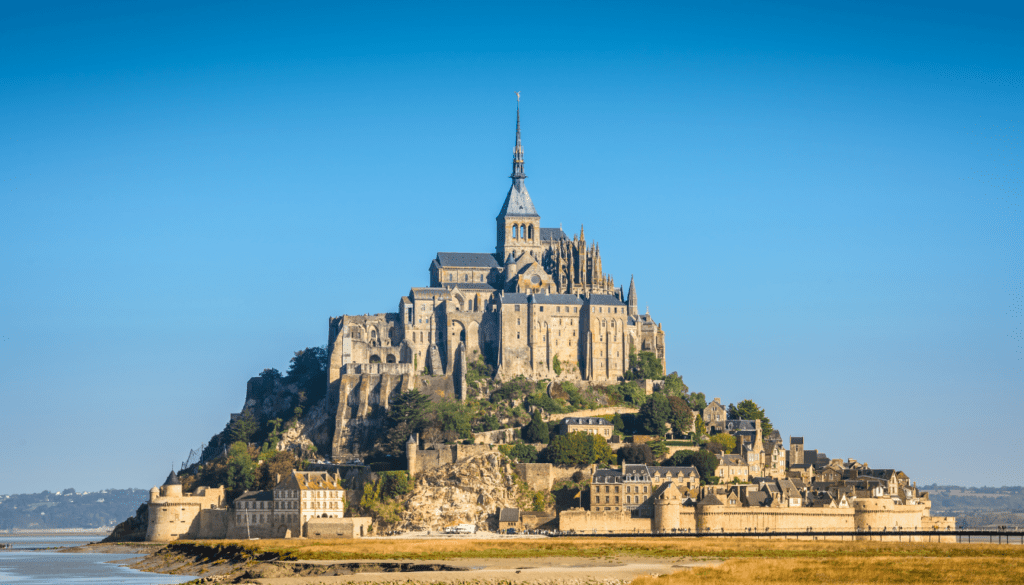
<point>49,531</point>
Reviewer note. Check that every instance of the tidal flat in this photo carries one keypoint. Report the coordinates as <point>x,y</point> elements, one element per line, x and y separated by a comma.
<point>577,561</point>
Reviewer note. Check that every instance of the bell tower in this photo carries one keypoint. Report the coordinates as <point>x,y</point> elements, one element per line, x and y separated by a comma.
<point>518,223</point>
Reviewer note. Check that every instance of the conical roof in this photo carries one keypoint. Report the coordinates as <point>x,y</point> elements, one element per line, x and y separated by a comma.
<point>518,202</point>
<point>172,479</point>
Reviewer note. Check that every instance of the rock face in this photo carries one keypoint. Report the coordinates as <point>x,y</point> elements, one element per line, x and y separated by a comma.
<point>469,491</point>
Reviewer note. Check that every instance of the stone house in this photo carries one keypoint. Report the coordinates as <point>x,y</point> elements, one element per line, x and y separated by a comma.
<point>714,415</point>
<point>509,519</point>
<point>592,425</point>
<point>630,487</point>
<point>732,467</point>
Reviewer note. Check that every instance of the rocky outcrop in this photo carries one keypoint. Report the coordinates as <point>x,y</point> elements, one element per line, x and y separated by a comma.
<point>469,491</point>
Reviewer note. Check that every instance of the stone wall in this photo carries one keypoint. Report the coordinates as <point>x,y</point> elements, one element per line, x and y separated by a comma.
<point>585,521</point>
<point>213,522</point>
<point>539,476</point>
<point>593,412</point>
<point>498,437</point>
<point>738,519</point>
<point>353,527</point>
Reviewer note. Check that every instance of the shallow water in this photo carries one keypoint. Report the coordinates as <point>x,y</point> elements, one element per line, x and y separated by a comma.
<point>26,563</point>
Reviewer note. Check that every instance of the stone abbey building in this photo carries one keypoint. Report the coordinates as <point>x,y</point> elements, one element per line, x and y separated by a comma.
<point>538,305</point>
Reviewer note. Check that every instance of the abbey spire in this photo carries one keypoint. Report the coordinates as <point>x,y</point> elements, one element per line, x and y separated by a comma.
<point>518,221</point>
<point>631,304</point>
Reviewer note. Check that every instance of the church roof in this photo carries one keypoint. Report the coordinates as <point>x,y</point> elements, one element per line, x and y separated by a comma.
<point>552,234</point>
<point>514,298</point>
<point>466,259</point>
<point>518,203</point>
<point>556,299</point>
<point>606,300</point>
<point>469,285</point>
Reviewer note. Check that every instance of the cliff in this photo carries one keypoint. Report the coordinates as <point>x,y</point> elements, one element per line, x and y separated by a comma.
<point>469,491</point>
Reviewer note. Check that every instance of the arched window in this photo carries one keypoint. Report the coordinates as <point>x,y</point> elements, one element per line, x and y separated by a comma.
<point>522,231</point>
<point>391,359</point>
<point>515,231</point>
<point>465,278</point>
<point>374,359</point>
<point>530,231</point>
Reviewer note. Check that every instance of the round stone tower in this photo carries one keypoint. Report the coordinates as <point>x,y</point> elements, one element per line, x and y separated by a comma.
<point>667,508</point>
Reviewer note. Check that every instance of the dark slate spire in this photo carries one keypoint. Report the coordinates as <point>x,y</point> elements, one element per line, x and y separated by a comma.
<point>172,479</point>
<point>631,298</point>
<point>517,157</point>
<point>518,201</point>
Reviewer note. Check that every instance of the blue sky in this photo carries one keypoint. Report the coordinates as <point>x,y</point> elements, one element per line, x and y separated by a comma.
<point>820,202</point>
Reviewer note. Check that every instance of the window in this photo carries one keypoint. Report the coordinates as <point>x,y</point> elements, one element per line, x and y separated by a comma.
<point>517,307</point>
<point>515,231</point>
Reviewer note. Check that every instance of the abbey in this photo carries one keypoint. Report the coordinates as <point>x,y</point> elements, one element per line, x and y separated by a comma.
<point>540,306</point>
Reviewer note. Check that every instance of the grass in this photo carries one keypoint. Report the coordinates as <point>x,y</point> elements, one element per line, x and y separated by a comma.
<point>868,570</point>
<point>777,562</point>
<point>738,548</point>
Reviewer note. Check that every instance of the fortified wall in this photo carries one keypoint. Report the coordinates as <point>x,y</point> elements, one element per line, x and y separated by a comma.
<point>865,514</point>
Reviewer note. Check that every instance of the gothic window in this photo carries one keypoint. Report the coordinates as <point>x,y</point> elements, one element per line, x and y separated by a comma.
<point>515,232</point>
<point>530,231</point>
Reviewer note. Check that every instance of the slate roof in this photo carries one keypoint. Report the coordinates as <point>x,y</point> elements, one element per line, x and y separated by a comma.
<point>467,259</point>
<point>172,479</point>
<point>514,299</point>
<point>518,203</point>
<point>758,498</point>
<point>556,299</point>
<point>796,440</point>
<point>729,459</point>
<point>607,476</point>
<point>576,420</point>
<point>711,500</point>
<point>311,480</point>
<point>508,515</point>
<point>552,234</point>
<point>675,471</point>
<point>425,292</point>
<point>740,425</point>
<point>469,285</point>
<point>256,496</point>
<point>606,300</point>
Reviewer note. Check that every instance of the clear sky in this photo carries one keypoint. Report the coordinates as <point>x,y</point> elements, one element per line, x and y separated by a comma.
<point>820,202</point>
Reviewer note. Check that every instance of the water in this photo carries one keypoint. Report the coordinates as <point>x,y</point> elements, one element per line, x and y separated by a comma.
<point>28,563</point>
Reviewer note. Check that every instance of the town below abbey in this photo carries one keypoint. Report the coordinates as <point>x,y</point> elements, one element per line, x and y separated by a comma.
<point>519,389</point>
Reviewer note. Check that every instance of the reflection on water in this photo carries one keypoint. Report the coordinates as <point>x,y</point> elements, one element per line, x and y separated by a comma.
<point>26,563</point>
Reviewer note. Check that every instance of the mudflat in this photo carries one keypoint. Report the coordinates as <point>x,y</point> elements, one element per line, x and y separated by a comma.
<point>578,561</point>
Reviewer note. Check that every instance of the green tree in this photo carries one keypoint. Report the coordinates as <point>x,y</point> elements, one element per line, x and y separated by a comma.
<point>619,424</point>
<point>241,474</point>
<point>537,431</point>
<point>749,410</point>
<point>405,416</point>
<point>706,464</point>
<point>276,463</point>
<point>636,453</point>
<point>659,448</point>
<point>243,427</point>
<point>308,372</point>
<point>699,428</point>
<point>452,418</point>
<point>556,365</point>
<point>697,401</point>
<point>680,459</point>
<point>519,452</point>
<point>644,366</point>
<point>578,449</point>
<point>654,414</point>
<point>680,417</point>
<point>674,385</point>
<point>725,440</point>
